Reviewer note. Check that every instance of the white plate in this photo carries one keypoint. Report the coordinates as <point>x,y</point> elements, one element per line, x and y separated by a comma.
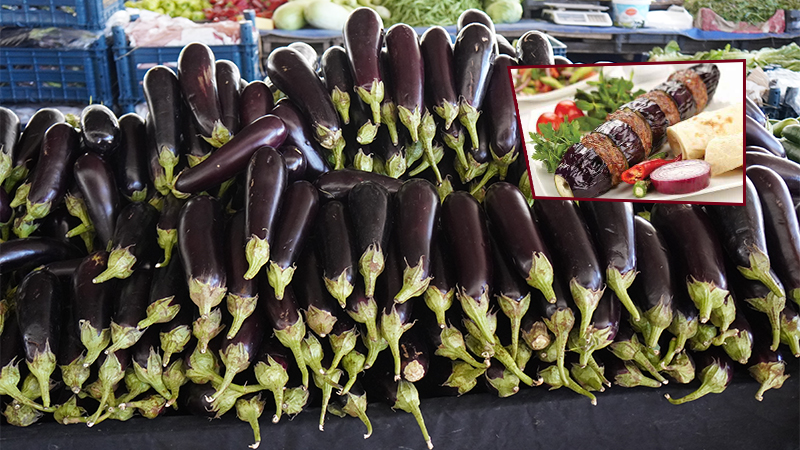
<point>725,187</point>
<point>567,91</point>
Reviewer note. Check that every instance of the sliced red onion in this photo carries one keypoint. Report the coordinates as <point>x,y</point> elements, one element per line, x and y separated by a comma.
<point>682,177</point>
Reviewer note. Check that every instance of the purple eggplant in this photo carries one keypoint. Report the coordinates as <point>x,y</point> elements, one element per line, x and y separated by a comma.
<point>287,323</point>
<point>93,305</point>
<point>414,356</point>
<point>754,111</point>
<point>786,168</point>
<point>147,363</point>
<point>64,269</point>
<point>358,136</point>
<point>437,51</point>
<point>534,49</point>
<point>319,305</point>
<point>505,48</point>
<point>233,157</point>
<point>134,242</point>
<point>50,180</point>
<point>27,151</point>
<point>98,186</point>
<point>167,227</point>
<point>363,39</point>
<point>193,145</point>
<point>292,74</point>
<point>395,318</point>
<point>18,254</point>
<point>408,76</point>
<point>741,230</point>
<point>473,56</point>
<point>338,80</point>
<point>603,329</point>
<point>337,184</point>
<point>297,216</point>
<point>9,133</point>
<point>100,129</point>
<point>200,238</point>
<point>757,135</point>
<point>757,149</point>
<point>39,298</point>
<point>442,288</point>
<point>239,351</point>
<point>255,101</point>
<point>111,371</point>
<point>175,334</point>
<point>715,371</point>
<point>300,134</point>
<point>365,310</point>
<point>502,123</point>
<point>737,341</point>
<point>266,183</point>
<point>163,93</point>
<point>766,365</point>
<point>168,295</point>
<point>564,226</point>
<point>6,214</point>
<point>130,308</point>
<point>295,162</point>
<point>370,211</point>
<point>228,79</point>
<point>343,338</point>
<point>511,292</point>
<point>130,160</point>
<point>688,230</point>
<point>388,107</point>
<point>271,367</point>
<point>781,226</point>
<point>464,223</point>
<point>11,350</point>
<point>653,287</point>
<point>478,158</point>
<point>681,95</point>
<point>512,224</point>
<point>611,224</point>
<point>337,249</point>
<point>242,294</point>
<point>198,83</point>
<point>416,214</point>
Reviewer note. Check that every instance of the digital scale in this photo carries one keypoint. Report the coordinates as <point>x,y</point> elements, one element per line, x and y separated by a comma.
<point>577,14</point>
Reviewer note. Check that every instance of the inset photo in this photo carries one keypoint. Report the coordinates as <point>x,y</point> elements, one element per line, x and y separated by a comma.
<point>653,132</point>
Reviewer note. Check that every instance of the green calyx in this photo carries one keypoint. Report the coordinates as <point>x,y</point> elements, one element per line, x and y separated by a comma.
<point>392,328</point>
<point>537,337</point>
<point>739,346</point>
<point>366,133</point>
<point>205,295</point>
<point>324,383</point>
<point>790,333</point>
<point>257,253</point>
<point>42,366</point>
<point>69,412</point>
<point>471,170</point>
<point>320,321</point>
<point>659,317</point>
<point>166,240</point>
<point>514,310</point>
<point>587,378</point>
<point>389,118</point>
<point>292,338</point>
<point>21,195</point>
<point>203,368</point>
<point>342,344</point>
<point>219,135</point>
<point>464,376</point>
<point>447,111</point>
<point>75,374</point>
<point>619,283</point>
<point>168,160</point>
<point>540,276</point>
<point>174,376</point>
<point>770,375</point>
<point>439,302</point>
<point>478,311</point>
<point>363,161</point>
<point>356,406</point>
<point>681,369</point>
<point>249,410</point>
<point>411,120</point>
<point>21,415</point>
<point>373,97</point>
<point>236,359</point>
<point>456,143</point>
<point>174,341</point>
<point>274,376</point>
<point>151,373</point>
<point>454,347</point>
<point>207,328</point>
<point>396,165</point>
<point>94,340</point>
<point>408,401</point>
<point>468,116</point>
<point>714,379</point>
<point>432,157</point>
<point>353,364</point>
<point>415,281</point>
<point>586,300</point>
<point>9,379</point>
<point>194,160</point>
<point>123,337</point>
<point>772,305</point>
<point>760,270</point>
<point>706,297</point>
<point>633,377</point>
<point>294,400</point>
<point>240,309</point>
<point>341,101</point>
<point>160,311</point>
<point>370,266</point>
<point>724,316</point>
<point>340,287</point>
<point>120,265</point>
<point>109,374</point>
<point>506,385</point>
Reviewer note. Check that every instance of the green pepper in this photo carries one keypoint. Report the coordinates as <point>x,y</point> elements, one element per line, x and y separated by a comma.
<point>777,128</point>
<point>552,82</point>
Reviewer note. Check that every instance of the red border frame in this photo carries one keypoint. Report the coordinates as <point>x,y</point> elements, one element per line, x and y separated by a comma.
<point>744,131</point>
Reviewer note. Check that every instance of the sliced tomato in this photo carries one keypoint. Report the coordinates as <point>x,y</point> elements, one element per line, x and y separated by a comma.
<point>550,118</point>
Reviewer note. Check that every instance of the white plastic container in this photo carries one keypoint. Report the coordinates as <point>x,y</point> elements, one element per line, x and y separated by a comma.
<point>630,13</point>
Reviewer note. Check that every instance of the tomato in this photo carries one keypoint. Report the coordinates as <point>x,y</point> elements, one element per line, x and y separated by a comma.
<point>568,109</point>
<point>550,118</point>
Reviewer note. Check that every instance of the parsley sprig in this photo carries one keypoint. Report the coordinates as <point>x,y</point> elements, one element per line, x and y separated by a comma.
<point>608,95</point>
<point>549,145</point>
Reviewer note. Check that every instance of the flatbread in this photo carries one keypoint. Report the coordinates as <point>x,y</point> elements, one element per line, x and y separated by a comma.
<point>725,153</point>
<point>691,137</point>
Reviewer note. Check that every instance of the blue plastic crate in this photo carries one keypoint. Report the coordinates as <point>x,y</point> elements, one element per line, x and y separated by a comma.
<point>85,14</point>
<point>38,75</point>
<point>133,62</point>
<point>559,48</point>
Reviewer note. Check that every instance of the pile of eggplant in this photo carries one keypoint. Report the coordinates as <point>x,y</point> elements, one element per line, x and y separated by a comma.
<point>227,250</point>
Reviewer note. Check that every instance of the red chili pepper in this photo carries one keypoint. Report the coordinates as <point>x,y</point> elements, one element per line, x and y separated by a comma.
<point>643,170</point>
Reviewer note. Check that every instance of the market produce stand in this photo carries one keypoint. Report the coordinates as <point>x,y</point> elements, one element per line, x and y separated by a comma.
<point>533,419</point>
<point>579,39</point>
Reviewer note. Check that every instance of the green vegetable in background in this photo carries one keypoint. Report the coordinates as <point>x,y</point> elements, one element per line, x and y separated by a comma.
<point>610,94</point>
<point>752,12</point>
<point>504,11</point>
<point>289,16</point>
<point>419,13</point>
<point>326,15</point>
<point>549,145</point>
<point>778,126</point>
<point>787,56</point>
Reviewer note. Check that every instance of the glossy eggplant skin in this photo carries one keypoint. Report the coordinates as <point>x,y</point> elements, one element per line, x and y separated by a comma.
<point>416,213</point>
<point>250,335</point>
<point>584,171</point>
<point>437,52</point>
<point>363,39</point>
<point>781,226</point>
<point>338,80</point>
<point>468,236</point>
<point>136,228</point>
<point>534,49</point>
<point>564,226</point>
<point>266,183</point>
<point>505,48</point>
<point>64,269</point>
<point>29,252</point>
<point>198,83</point>
<point>10,341</point>
<point>292,74</point>
<point>612,225</point>
<point>337,184</point>
<point>193,145</point>
<point>163,93</point>
<point>414,355</point>
<point>228,78</point>
<point>654,283</point>
<point>757,135</point>
<point>93,302</point>
<point>369,205</point>
<point>473,55</point>
<point>310,290</point>
<point>300,134</point>
<point>6,212</point>
<point>39,299</point>
<point>130,161</point>
<point>95,179</point>
<point>408,75</point>
<point>58,223</point>
<point>130,306</point>
<point>235,260</point>
<point>255,101</point>
<point>473,15</point>
<point>786,168</point>
<point>690,233</point>
<point>9,132</point>
<point>500,110</point>
<point>336,245</point>
<point>51,177</point>
<point>295,162</point>
<point>297,218</point>
<point>754,112</point>
<point>232,158</point>
<point>100,129</point>
<point>281,314</point>
<point>30,141</point>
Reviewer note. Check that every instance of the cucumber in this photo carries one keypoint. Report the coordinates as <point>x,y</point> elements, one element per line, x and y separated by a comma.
<point>792,150</point>
<point>792,133</point>
<point>777,127</point>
